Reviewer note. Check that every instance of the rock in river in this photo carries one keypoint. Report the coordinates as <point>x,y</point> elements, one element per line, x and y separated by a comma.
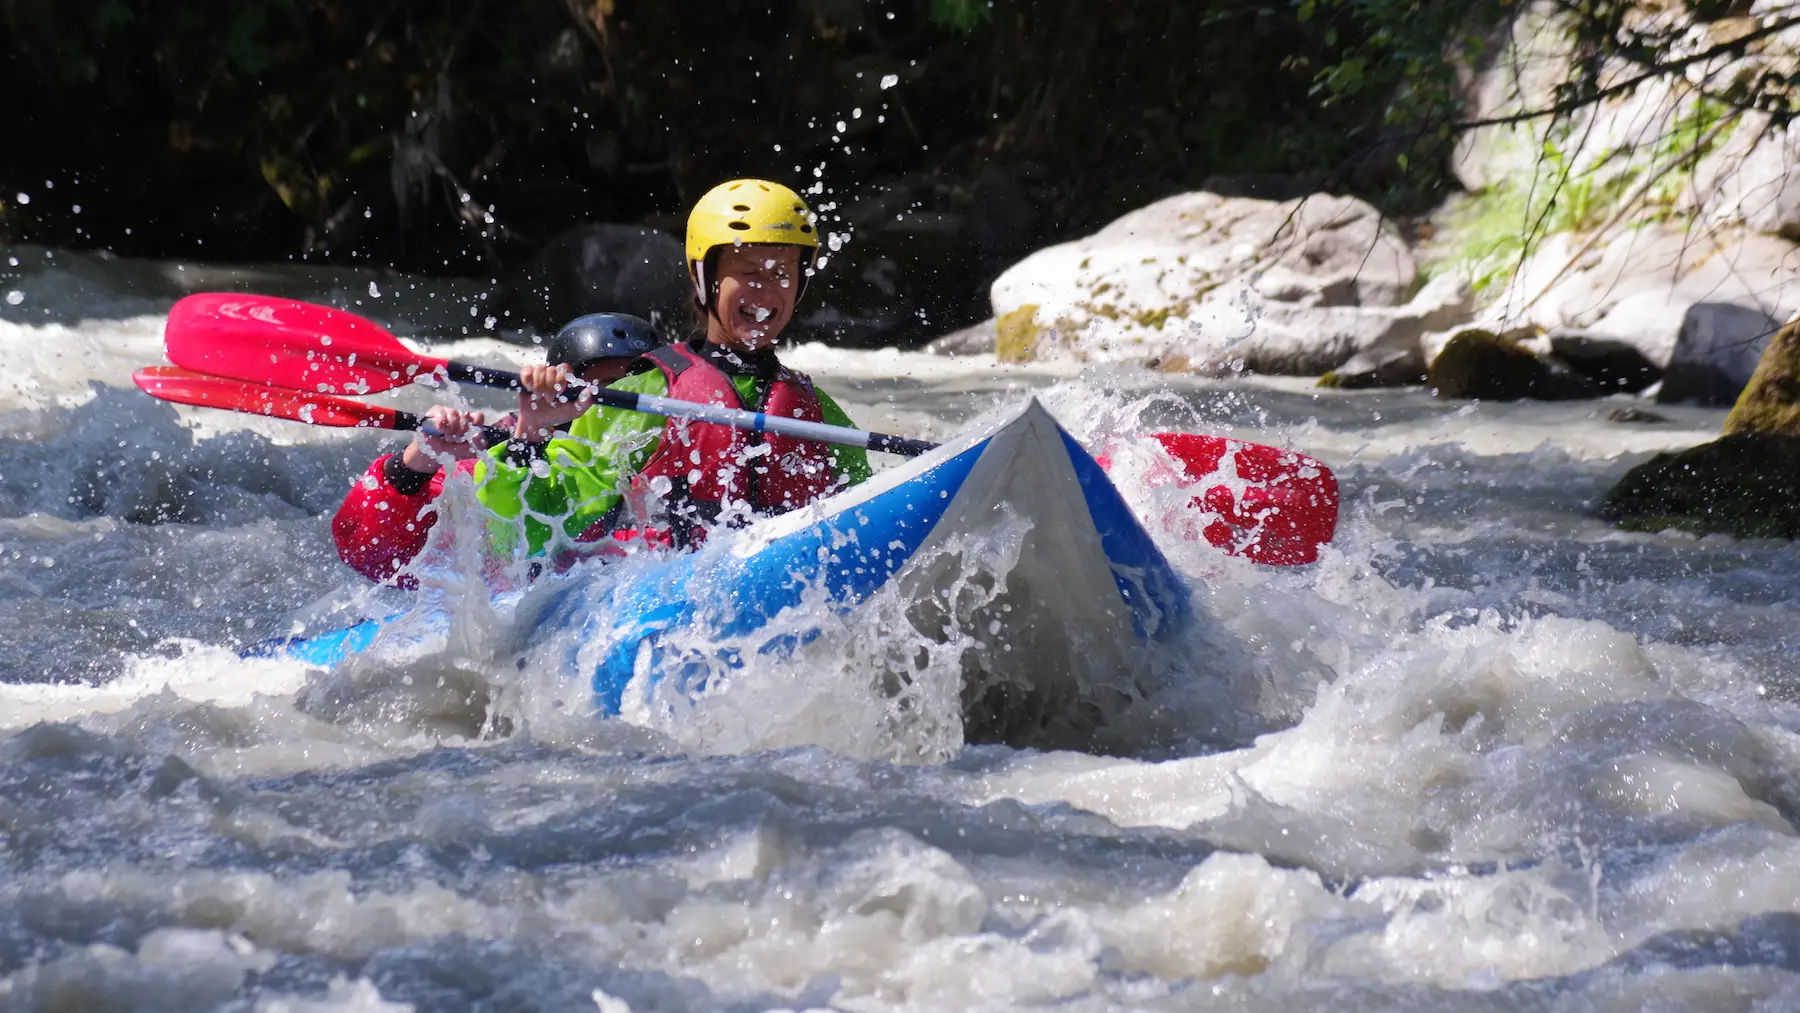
<point>1746,485</point>
<point>1490,366</point>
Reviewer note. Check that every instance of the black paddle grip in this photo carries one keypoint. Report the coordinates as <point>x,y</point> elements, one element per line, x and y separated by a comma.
<point>481,376</point>
<point>491,436</point>
<point>901,445</point>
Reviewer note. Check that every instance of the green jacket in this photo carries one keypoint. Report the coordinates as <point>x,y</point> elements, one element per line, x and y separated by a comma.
<point>582,476</point>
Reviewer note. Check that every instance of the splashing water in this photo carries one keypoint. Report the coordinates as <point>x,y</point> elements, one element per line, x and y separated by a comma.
<point>1486,754</point>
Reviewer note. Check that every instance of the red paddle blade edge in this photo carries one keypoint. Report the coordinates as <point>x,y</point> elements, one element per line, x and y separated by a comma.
<point>1266,504</point>
<point>287,343</point>
<point>171,383</point>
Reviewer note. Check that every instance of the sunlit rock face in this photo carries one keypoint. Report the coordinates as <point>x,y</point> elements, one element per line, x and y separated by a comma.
<point>1205,282</point>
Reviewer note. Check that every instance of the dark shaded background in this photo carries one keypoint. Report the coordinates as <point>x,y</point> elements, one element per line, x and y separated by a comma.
<point>468,136</point>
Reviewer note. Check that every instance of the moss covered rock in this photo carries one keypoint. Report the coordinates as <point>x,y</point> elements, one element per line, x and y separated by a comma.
<point>1498,367</point>
<point>1016,334</point>
<point>1770,403</point>
<point>1746,485</point>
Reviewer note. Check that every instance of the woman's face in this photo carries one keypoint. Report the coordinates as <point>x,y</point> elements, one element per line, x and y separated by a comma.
<point>757,289</point>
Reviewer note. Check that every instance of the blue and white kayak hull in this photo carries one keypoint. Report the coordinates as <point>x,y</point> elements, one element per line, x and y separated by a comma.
<point>1007,543</point>
<point>1057,634</point>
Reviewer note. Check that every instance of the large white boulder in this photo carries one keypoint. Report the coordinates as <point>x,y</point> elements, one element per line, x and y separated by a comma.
<point>1294,286</point>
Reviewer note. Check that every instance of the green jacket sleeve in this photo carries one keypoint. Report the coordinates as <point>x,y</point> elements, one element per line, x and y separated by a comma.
<point>852,463</point>
<point>579,479</point>
<point>582,476</point>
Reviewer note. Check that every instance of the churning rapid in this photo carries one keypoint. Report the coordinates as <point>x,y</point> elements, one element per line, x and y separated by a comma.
<point>1486,754</point>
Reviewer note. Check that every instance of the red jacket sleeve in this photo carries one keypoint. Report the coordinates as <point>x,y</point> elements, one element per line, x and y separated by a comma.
<point>378,529</point>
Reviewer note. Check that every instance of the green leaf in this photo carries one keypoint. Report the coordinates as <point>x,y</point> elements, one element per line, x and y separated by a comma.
<point>961,16</point>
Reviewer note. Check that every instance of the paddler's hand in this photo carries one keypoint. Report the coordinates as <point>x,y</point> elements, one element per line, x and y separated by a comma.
<point>541,404</point>
<point>459,437</point>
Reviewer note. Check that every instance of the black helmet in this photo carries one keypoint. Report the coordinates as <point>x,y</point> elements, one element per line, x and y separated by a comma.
<point>601,336</point>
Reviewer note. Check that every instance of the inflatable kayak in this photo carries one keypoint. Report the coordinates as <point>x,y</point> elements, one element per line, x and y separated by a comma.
<point>1068,594</point>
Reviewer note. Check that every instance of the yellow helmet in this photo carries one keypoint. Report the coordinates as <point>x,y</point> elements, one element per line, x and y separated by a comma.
<point>747,211</point>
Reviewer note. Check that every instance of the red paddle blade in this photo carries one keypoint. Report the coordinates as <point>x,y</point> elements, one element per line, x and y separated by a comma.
<point>172,383</point>
<point>286,343</point>
<point>1269,505</point>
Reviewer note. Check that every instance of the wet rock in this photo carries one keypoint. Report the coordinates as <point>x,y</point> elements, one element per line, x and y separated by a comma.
<point>1615,366</point>
<point>979,339</point>
<point>598,268</point>
<point>1498,367</point>
<point>1746,485</point>
<point>1388,367</point>
<point>1716,352</point>
<point>1296,286</point>
<point>1770,402</point>
<point>1635,416</point>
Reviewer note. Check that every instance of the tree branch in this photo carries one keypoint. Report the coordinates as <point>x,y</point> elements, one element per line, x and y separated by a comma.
<point>1733,48</point>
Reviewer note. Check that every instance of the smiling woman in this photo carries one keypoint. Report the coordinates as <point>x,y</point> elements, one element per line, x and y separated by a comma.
<point>750,247</point>
<point>756,296</point>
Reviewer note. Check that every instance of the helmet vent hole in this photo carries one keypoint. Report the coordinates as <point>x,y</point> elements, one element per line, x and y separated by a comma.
<point>741,226</point>
<point>740,207</point>
<point>806,228</point>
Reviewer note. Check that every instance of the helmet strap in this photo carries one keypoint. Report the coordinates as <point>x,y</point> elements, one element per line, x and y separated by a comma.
<point>706,283</point>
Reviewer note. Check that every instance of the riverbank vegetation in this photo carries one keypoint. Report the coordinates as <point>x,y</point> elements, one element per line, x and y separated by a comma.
<point>456,137</point>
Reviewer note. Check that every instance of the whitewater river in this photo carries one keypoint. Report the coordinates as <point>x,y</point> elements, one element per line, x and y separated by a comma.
<point>1488,754</point>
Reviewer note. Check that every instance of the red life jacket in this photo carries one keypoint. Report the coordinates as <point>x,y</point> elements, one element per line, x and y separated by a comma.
<point>708,465</point>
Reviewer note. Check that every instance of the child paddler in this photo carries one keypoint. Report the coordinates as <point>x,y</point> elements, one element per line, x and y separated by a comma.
<point>750,249</point>
<point>383,522</point>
